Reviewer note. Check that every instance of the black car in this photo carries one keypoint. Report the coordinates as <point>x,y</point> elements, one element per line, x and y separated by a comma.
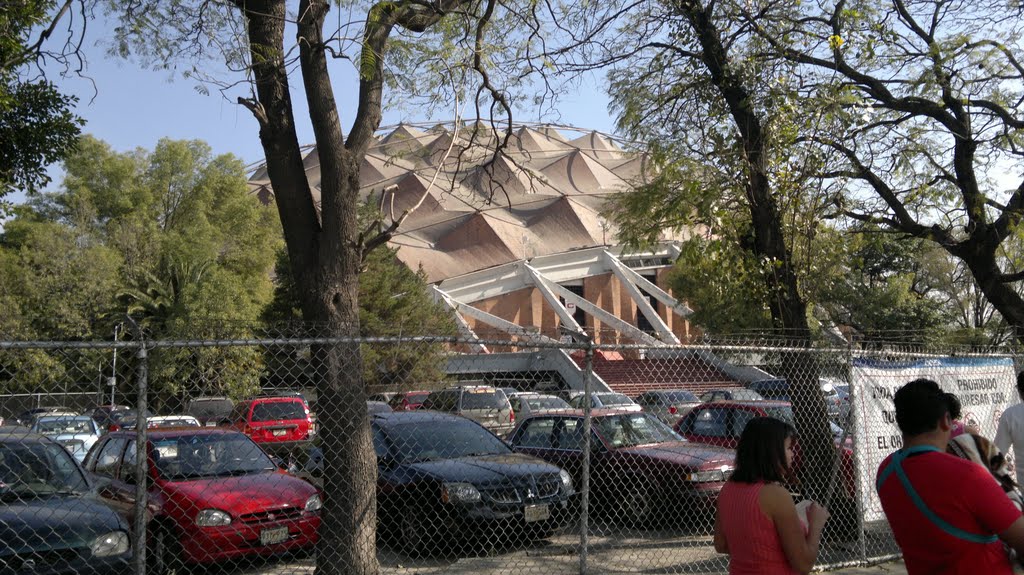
<point>50,521</point>
<point>444,478</point>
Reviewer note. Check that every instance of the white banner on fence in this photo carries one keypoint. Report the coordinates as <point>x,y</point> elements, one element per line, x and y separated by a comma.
<point>985,387</point>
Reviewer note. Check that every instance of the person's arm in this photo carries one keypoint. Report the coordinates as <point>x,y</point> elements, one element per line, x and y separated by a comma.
<point>721,544</point>
<point>801,550</point>
<point>1014,536</point>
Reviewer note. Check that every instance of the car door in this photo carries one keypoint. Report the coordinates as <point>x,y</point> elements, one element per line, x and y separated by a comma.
<point>105,465</point>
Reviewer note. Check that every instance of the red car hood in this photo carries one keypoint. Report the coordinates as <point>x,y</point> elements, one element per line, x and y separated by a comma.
<point>243,494</point>
<point>684,453</point>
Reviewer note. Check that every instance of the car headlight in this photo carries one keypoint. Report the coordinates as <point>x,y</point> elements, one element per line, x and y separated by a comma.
<point>108,544</point>
<point>212,518</point>
<point>566,481</point>
<point>707,475</point>
<point>314,503</point>
<point>459,493</point>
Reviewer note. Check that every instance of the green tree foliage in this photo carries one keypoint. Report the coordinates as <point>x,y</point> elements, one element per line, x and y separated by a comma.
<point>37,125</point>
<point>172,237</point>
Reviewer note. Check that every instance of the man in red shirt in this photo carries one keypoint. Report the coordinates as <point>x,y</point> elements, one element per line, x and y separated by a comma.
<point>961,516</point>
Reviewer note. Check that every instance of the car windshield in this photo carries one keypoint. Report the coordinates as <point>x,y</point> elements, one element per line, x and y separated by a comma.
<point>213,455</point>
<point>127,415</point>
<point>64,425</point>
<point>278,410</point>
<point>37,469</point>
<point>614,399</point>
<point>546,403</point>
<point>432,440</point>
<point>210,407</point>
<point>484,399</point>
<point>680,397</point>
<point>630,429</point>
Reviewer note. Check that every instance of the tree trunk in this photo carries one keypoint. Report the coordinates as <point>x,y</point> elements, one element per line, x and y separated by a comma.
<point>325,259</point>
<point>980,258</point>
<point>788,309</point>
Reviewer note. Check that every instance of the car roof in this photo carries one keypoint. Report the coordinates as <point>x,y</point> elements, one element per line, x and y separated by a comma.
<point>597,412</point>
<point>168,432</point>
<point>20,434</point>
<point>419,416</point>
<point>745,403</point>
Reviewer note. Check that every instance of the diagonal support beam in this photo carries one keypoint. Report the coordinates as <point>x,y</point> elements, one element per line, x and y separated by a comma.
<point>645,307</point>
<point>681,309</point>
<point>494,321</point>
<point>460,322</point>
<point>551,290</point>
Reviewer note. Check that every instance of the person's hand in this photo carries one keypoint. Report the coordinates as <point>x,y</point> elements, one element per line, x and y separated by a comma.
<point>817,515</point>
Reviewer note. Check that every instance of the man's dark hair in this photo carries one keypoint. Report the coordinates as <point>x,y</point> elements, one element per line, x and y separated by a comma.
<point>761,452</point>
<point>920,405</point>
<point>1020,384</point>
<point>955,409</point>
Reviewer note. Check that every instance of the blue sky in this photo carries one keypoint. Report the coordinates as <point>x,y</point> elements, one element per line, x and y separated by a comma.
<point>132,107</point>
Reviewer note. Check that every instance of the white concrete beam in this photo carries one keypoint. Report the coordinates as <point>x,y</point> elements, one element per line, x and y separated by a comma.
<point>626,276</point>
<point>460,322</point>
<point>659,294</point>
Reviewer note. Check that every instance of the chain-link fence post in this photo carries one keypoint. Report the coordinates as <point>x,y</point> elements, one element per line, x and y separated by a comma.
<point>588,372</point>
<point>853,420</point>
<point>141,455</point>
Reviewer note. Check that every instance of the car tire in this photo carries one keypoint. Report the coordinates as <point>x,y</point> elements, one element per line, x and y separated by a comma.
<point>163,552</point>
<point>636,501</point>
<point>411,532</point>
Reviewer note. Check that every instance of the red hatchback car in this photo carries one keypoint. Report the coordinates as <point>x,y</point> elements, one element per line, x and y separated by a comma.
<point>722,422</point>
<point>277,423</point>
<point>214,495</point>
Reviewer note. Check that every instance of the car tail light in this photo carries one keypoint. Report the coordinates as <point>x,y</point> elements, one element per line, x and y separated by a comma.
<point>511,416</point>
<point>113,427</point>
<point>247,429</point>
<point>672,409</point>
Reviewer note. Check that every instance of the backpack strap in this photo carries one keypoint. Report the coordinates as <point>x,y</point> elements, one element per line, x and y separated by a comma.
<point>896,466</point>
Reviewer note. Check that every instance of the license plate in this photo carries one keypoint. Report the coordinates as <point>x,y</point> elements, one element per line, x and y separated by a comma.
<point>533,513</point>
<point>280,432</point>
<point>273,536</point>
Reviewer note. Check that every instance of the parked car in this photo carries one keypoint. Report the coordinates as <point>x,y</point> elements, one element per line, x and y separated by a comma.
<point>408,400</point>
<point>210,411</point>
<point>526,404</point>
<point>50,523</point>
<point>278,423</point>
<point>130,423</point>
<point>121,417</point>
<point>722,422</point>
<point>778,389</point>
<point>28,417</point>
<point>640,470</point>
<point>482,403</point>
<point>667,405</point>
<point>214,495</point>
<point>77,433</point>
<point>444,478</point>
<point>385,396</point>
<point>606,399</point>
<point>730,394</point>
<point>103,414</point>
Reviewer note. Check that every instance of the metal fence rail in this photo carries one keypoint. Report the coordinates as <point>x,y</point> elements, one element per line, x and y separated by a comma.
<point>460,461</point>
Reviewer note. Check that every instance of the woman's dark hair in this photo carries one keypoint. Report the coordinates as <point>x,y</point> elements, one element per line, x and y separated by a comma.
<point>761,453</point>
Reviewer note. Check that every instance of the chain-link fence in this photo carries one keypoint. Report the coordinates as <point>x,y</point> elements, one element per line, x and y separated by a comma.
<point>436,455</point>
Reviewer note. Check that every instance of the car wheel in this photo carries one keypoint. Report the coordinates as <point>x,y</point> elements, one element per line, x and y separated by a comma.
<point>163,553</point>
<point>412,533</point>
<point>637,501</point>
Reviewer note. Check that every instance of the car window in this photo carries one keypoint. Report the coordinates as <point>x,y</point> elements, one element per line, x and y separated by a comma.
<point>546,403</point>
<point>711,422</point>
<point>209,455</point>
<point>479,399</point>
<point>740,419</point>
<point>35,468</point>
<point>614,399</point>
<point>432,440</point>
<point>515,403</point>
<point>127,471</point>
<point>747,395</point>
<point>109,456</point>
<point>568,435</point>
<point>65,425</point>
<point>680,396</point>
<point>536,433</point>
<point>278,410</point>
<point>630,429</point>
<point>577,401</point>
<point>210,407</point>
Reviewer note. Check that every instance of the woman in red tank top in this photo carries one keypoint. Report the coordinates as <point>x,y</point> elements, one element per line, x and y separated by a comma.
<point>758,524</point>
